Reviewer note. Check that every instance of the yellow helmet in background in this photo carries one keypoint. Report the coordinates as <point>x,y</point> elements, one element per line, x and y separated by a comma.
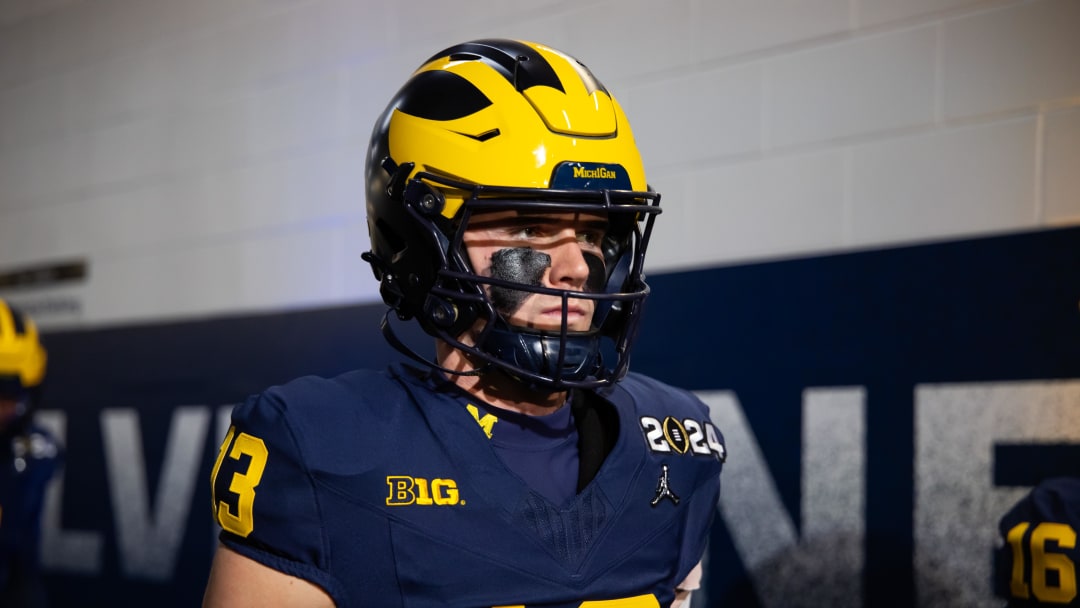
<point>22,357</point>
<point>506,124</point>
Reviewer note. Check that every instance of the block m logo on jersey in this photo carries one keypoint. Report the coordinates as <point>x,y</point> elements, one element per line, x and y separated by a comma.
<point>406,490</point>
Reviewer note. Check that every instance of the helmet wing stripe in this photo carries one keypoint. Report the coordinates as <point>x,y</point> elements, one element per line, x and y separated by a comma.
<point>520,64</point>
<point>441,96</point>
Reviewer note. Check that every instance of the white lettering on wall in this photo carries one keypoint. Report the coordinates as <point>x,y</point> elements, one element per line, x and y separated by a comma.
<point>75,551</point>
<point>784,565</point>
<point>149,541</point>
<point>957,507</point>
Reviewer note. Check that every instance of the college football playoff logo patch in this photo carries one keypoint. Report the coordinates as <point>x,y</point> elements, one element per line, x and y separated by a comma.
<point>687,436</point>
<point>675,433</point>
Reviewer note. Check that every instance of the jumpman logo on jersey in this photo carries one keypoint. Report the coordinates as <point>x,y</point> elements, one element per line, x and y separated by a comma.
<point>663,490</point>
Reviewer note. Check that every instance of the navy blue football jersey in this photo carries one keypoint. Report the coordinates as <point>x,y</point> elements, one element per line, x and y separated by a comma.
<point>383,489</point>
<point>27,463</point>
<point>1036,563</point>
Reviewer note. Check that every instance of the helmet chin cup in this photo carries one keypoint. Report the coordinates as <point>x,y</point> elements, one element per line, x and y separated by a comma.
<point>560,357</point>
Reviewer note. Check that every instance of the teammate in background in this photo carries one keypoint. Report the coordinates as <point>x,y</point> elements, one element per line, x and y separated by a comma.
<point>1036,563</point>
<point>29,457</point>
<point>522,465</point>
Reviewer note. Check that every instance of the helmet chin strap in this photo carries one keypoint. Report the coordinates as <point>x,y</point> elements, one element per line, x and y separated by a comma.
<point>537,353</point>
<point>394,341</point>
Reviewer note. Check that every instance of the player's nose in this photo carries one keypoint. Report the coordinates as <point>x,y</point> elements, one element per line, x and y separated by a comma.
<point>568,265</point>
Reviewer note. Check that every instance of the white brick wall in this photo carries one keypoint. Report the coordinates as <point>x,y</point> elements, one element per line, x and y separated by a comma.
<point>857,87</point>
<point>948,182</point>
<point>1061,168</point>
<point>1012,59</point>
<point>206,156</point>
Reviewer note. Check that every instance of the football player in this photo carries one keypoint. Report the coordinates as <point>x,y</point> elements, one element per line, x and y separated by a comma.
<point>521,464</point>
<point>29,456</point>
<point>1035,565</point>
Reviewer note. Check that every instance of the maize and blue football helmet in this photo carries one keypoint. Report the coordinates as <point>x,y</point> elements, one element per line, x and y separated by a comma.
<point>497,125</point>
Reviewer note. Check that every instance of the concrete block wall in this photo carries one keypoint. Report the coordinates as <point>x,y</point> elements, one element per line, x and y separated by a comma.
<point>206,157</point>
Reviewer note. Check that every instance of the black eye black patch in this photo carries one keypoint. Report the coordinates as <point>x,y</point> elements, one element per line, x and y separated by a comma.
<point>597,273</point>
<point>520,265</point>
<point>527,266</point>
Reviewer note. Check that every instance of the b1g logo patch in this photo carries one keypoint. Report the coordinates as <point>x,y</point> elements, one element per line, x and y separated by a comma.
<point>682,436</point>
<point>406,490</point>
